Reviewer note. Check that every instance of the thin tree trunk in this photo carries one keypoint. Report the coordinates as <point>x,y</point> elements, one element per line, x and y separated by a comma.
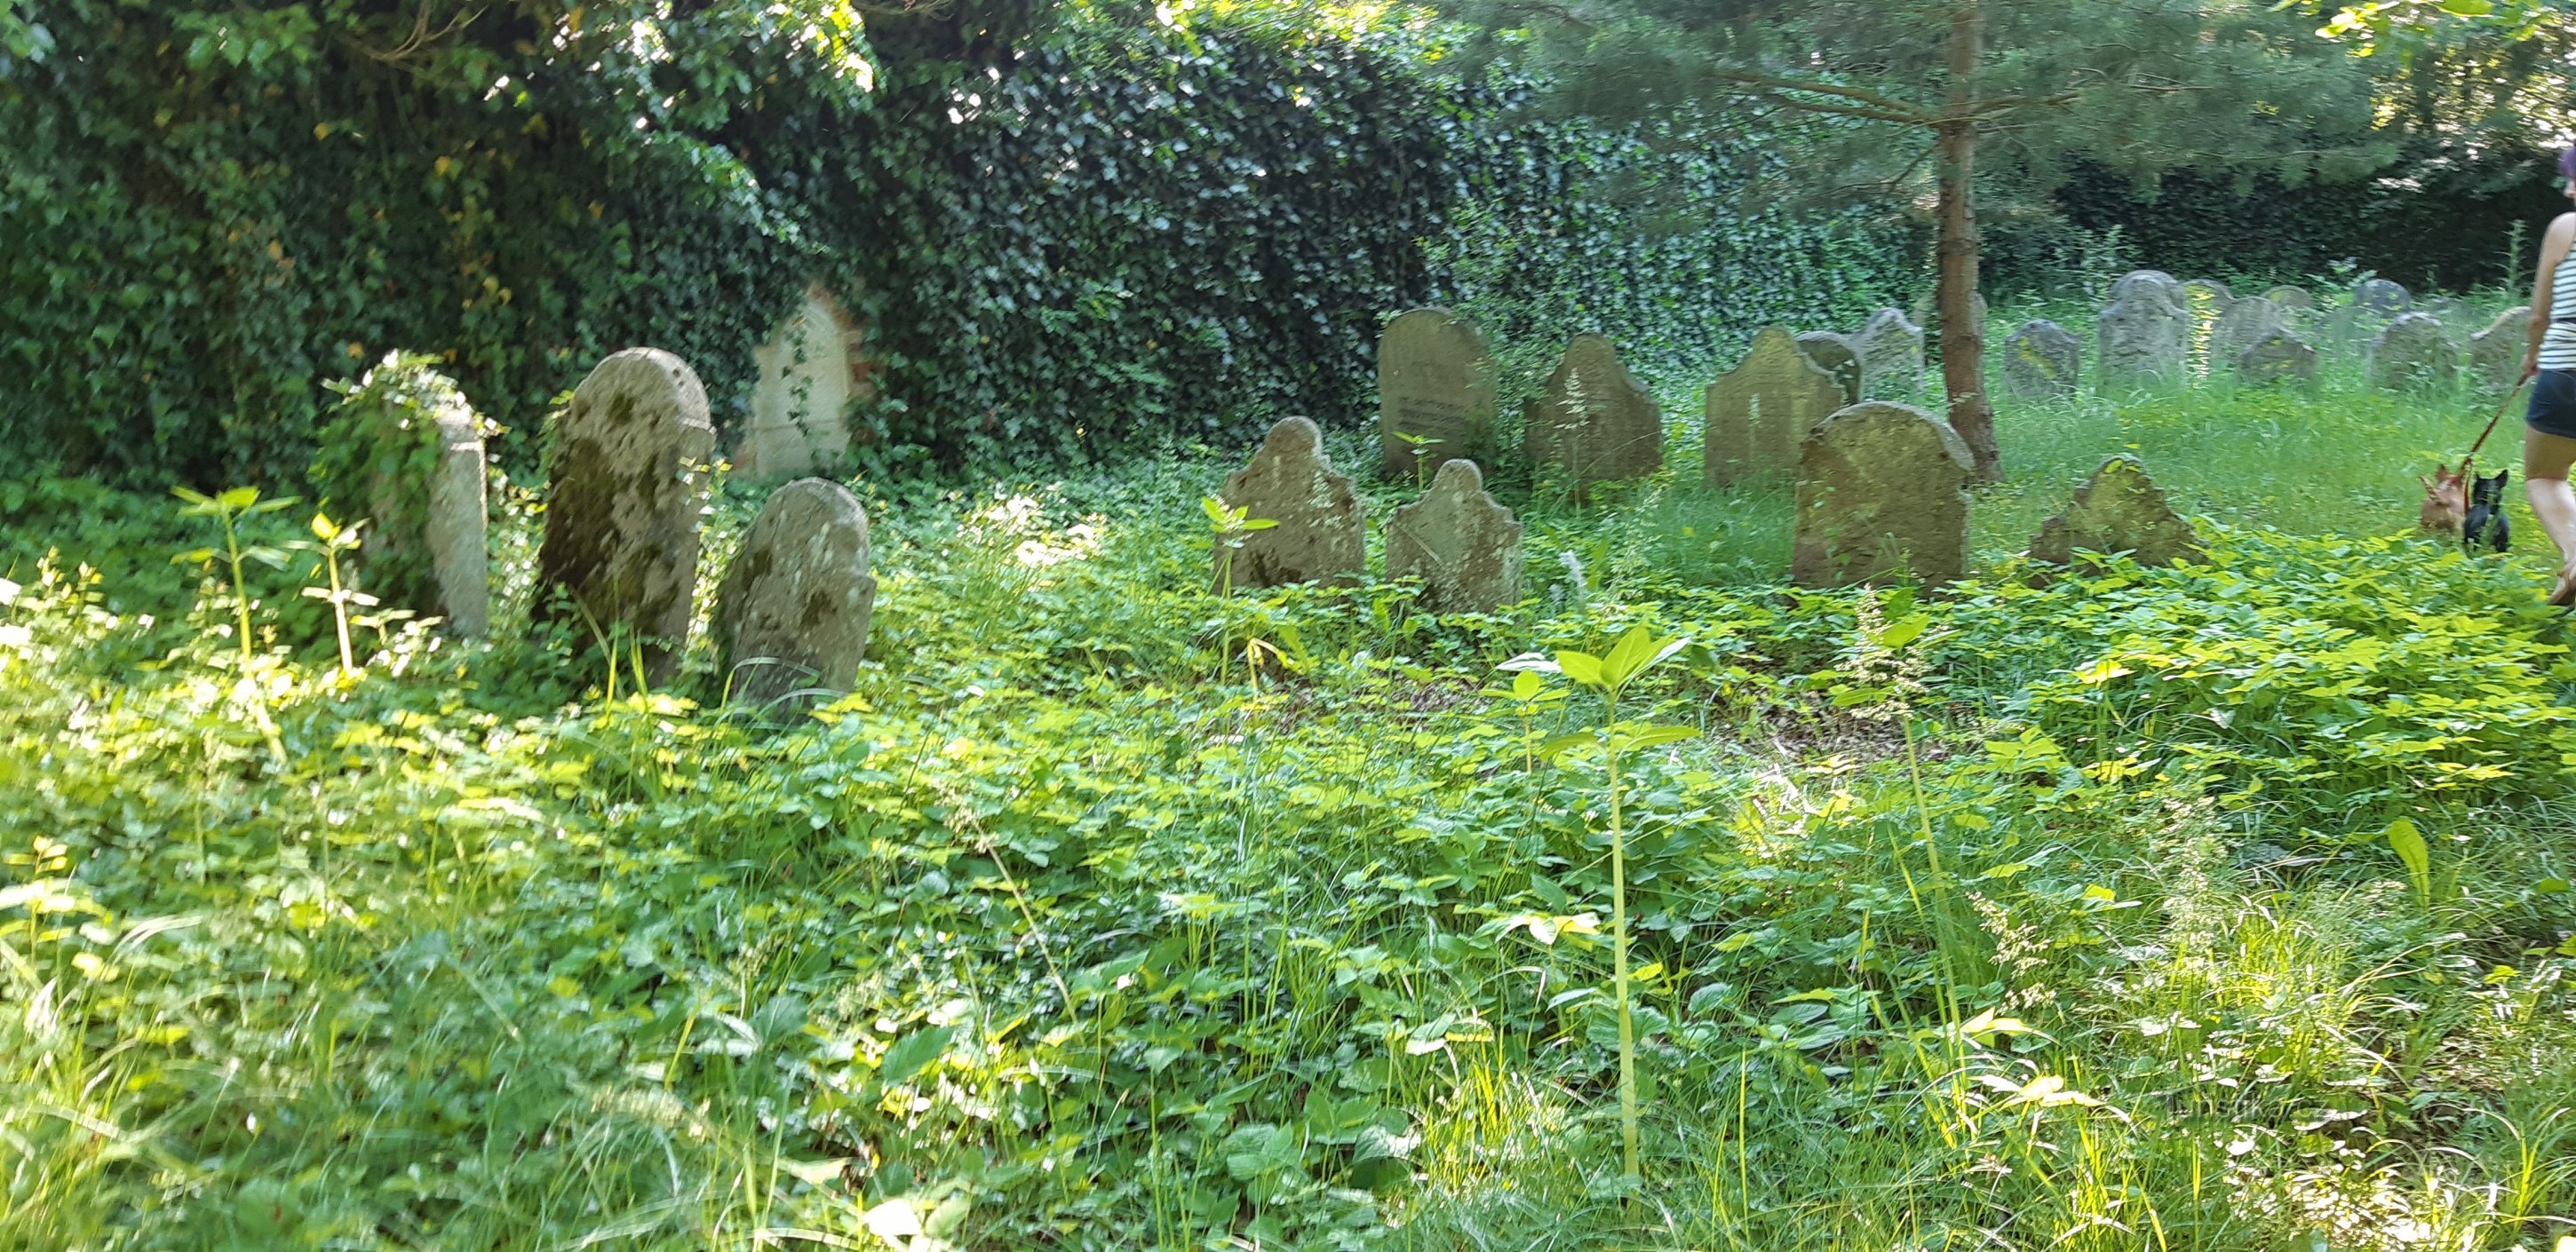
<point>1963,333</point>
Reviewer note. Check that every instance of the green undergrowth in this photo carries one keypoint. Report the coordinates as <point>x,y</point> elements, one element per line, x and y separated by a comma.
<point>2218,907</point>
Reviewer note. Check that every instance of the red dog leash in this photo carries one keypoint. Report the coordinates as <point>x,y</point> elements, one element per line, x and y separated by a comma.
<point>2501,406</point>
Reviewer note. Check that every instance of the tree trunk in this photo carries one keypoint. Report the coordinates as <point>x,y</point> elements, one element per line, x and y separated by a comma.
<point>1963,333</point>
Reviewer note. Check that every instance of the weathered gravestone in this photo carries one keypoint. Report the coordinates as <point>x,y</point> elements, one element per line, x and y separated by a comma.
<point>2413,351</point>
<point>1881,496</point>
<point>1759,413</point>
<point>2277,357</point>
<point>2495,354</point>
<point>2140,338</point>
<point>2119,509</point>
<point>1834,355</point>
<point>1464,547</point>
<point>1891,356</point>
<point>792,612</point>
<point>1321,535</point>
<point>2291,299</point>
<point>1435,381</point>
<point>1592,422</point>
<point>628,484</point>
<point>809,372</point>
<point>2208,291</point>
<point>2165,287</point>
<point>2244,322</point>
<point>2381,298</point>
<point>424,547</point>
<point>2042,361</point>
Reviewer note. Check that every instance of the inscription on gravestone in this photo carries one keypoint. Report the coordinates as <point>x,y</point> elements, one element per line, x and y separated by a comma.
<point>1435,381</point>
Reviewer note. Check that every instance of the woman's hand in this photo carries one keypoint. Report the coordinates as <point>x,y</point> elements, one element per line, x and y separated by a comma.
<point>2530,365</point>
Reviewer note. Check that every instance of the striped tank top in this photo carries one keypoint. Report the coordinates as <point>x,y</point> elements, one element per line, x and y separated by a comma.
<point>2558,344</point>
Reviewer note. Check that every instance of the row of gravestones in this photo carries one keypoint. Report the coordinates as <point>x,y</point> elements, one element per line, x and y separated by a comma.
<point>620,552</point>
<point>2144,336</point>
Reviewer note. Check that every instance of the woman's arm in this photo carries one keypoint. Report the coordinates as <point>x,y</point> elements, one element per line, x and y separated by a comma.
<point>2553,249</point>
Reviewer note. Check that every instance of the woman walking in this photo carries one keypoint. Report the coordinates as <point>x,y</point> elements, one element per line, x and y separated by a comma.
<point>2549,437</point>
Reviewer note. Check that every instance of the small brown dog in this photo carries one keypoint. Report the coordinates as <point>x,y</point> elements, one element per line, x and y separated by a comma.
<point>2446,500</point>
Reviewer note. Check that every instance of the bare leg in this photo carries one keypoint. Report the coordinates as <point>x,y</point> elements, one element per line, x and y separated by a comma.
<point>2545,459</point>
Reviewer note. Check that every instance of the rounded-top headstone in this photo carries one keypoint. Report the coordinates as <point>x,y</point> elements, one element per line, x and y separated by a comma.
<point>2211,290</point>
<point>2413,351</point>
<point>2276,357</point>
<point>1592,421</point>
<point>2245,322</point>
<point>2495,354</point>
<point>792,612</point>
<point>1891,356</point>
<point>1320,534</point>
<point>628,484</point>
<point>1435,381</point>
<point>1881,496</point>
<point>1464,546</point>
<point>2166,288</point>
<point>2141,337</point>
<point>2043,361</point>
<point>1758,414</point>
<point>2291,298</point>
<point>2381,297</point>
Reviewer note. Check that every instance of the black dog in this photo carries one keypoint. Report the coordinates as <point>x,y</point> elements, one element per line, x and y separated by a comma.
<point>2486,519</point>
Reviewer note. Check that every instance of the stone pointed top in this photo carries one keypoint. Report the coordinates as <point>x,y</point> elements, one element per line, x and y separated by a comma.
<point>2276,356</point>
<point>1891,356</point>
<point>1320,535</point>
<point>1758,413</point>
<point>792,613</point>
<point>2119,509</point>
<point>1881,496</point>
<point>1592,421</point>
<point>621,539</point>
<point>1464,546</point>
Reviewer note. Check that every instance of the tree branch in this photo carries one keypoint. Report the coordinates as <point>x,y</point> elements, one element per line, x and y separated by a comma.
<point>1881,107</point>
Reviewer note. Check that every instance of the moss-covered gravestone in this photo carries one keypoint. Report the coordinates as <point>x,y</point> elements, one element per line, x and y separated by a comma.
<point>2495,354</point>
<point>2242,325</point>
<point>2139,340</point>
<point>1759,413</point>
<point>2277,357</point>
<point>1891,356</point>
<point>2382,298</point>
<point>2413,351</point>
<point>2042,361</point>
<point>1881,497</point>
<point>1465,547</point>
<point>792,612</point>
<point>1435,383</point>
<point>1593,422</point>
<point>2119,509</point>
<point>620,554</point>
<point>1318,535</point>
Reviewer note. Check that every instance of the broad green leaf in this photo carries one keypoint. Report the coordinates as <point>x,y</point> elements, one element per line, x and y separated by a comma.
<point>1582,667</point>
<point>912,1052</point>
<point>237,499</point>
<point>2409,845</point>
<point>1651,737</point>
<point>1903,631</point>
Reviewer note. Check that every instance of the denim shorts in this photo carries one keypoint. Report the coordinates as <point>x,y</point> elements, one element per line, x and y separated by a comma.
<point>2553,404</point>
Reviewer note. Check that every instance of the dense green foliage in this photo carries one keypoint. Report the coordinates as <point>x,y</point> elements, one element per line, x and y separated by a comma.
<point>2033,916</point>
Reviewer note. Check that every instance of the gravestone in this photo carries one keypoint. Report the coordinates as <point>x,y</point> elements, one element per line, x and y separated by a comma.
<point>2244,322</point>
<point>1834,355</point>
<point>424,548</point>
<point>2140,338</point>
<point>2440,306</point>
<point>792,612</point>
<point>810,370</point>
<point>1891,356</point>
<point>2210,291</point>
<point>1435,380</point>
<point>459,555</point>
<point>1759,413</point>
<point>1464,547</point>
<point>1592,422</point>
<point>2413,351</point>
<point>2291,299</point>
<point>2119,509</point>
<point>2277,357</point>
<point>2495,354</point>
<point>1321,535</point>
<point>2381,298</point>
<point>628,483</point>
<point>2164,286</point>
<point>1881,497</point>
<point>2042,361</point>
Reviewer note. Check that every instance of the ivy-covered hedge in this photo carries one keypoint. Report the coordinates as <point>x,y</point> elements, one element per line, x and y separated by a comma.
<point>1128,234</point>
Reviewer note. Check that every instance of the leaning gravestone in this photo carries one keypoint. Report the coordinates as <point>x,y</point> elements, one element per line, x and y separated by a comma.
<point>2119,509</point>
<point>1435,381</point>
<point>2244,322</point>
<point>2414,351</point>
<point>2381,298</point>
<point>2291,299</point>
<point>809,371</point>
<point>792,612</point>
<point>2042,361</point>
<point>2276,357</point>
<point>1592,422</point>
<point>2140,338</point>
<point>1464,547</point>
<point>1891,356</point>
<point>1759,413</point>
<point>1881,497</point>
<point>628,484</point>
<point>2495,354</point>
<point>1320,536</point>
<point>1834,355</point>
